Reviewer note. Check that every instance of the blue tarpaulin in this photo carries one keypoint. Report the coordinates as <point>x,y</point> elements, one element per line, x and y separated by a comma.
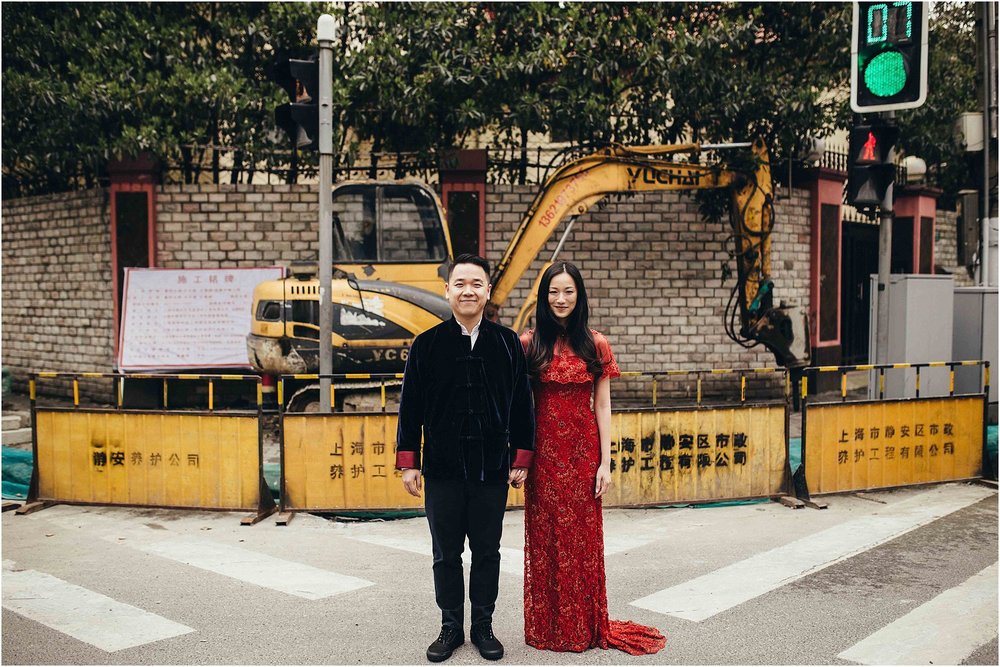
<point>17,465</point>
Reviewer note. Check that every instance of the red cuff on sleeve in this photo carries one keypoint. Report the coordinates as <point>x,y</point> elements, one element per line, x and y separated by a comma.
<point>523,458</point>
<point>406,460</point>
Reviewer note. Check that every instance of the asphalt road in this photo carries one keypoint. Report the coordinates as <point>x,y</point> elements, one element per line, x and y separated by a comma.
<point>897,577</point>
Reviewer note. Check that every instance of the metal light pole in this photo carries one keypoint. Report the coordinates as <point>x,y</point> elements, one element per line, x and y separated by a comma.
<point>988,217</point>
<point>326,32</point>
<point>884,265</point>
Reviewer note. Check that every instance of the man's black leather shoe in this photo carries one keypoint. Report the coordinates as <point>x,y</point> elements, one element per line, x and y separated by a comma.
<point>488,645</point>
<point>449,640</point>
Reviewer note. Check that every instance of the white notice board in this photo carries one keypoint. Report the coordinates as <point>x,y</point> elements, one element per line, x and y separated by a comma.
<point>187,318</point>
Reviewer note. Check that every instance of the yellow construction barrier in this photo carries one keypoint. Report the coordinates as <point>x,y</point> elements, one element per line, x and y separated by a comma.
<point>700,455</point>
<point>868,443</point>
<point>200,459</point>
<point>343,461</point>
<point>701,452</point>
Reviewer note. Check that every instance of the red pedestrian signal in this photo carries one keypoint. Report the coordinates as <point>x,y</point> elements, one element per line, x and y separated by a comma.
<point>869,148</point>
<point>871,170</point>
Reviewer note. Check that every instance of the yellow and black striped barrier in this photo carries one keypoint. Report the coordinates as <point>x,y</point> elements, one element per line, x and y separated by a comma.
<point>858,438</point>
<point>382,379</point>
<point>662,453</point>
<point>113,454</point>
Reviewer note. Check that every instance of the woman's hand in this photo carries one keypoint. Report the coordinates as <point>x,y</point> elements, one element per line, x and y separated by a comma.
<point>603,482</point>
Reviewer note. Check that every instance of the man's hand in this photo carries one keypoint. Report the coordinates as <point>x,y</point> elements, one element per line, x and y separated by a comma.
<point>412,481</point>
<point>603,481</point>
<point>517,477</point>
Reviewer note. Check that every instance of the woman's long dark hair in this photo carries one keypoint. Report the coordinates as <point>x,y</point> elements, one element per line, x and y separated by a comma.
<point>547,328</point>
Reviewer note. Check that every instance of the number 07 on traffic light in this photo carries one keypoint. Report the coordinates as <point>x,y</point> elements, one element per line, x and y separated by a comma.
<point>888,56</point>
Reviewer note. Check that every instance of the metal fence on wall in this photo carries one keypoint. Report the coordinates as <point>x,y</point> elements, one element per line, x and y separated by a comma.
<point>229,165</point>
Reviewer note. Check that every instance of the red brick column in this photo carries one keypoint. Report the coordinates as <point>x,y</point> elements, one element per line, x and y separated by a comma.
<point>826,242</point>
<point>133,230</point>
<point>914,213</point>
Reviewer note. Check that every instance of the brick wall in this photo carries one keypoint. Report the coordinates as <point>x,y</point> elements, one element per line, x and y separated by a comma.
<point>946,248</point>
<point>222,226</point>
<point>57,288</point>
<point>652,264</point>
<point>653,269</point>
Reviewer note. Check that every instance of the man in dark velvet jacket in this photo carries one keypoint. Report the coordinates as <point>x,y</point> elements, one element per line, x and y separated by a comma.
<point>466,392</point>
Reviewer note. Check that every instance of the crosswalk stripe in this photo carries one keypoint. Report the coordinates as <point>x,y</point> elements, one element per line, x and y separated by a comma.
<point>616,544</point>
<point>715,592</point>
<point>297,579</point>
<point>83,614</point>
<point>511,560</point>
<point>944,631</point>
<point>277,574</point>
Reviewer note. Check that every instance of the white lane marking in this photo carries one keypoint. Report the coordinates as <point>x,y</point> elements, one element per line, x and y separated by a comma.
<point>511,560</point>
<point>943,631</point>
<point>715,592</point>
<point>83,614</point>
<point>303,581</point>
<point>616,544</point>
<point>277,574</point>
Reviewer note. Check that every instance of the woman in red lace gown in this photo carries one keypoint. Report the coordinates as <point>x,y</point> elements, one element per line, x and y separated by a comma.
<point>565,600</point>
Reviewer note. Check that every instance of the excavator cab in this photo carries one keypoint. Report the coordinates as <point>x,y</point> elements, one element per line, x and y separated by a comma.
<point>391,254</point>
<point>390,231</point>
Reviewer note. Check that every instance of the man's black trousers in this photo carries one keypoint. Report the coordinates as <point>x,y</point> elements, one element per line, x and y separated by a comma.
<point>456,510</point>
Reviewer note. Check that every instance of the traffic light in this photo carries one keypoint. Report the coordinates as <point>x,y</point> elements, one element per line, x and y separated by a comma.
<point>888,56</point>
<point>871,170</point>
<point>300,117</point>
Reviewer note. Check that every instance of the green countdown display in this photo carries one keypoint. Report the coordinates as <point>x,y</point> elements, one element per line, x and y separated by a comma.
<point>889,56</point>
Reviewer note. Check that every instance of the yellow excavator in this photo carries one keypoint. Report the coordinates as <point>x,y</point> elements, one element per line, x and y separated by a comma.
<point>392,248</point>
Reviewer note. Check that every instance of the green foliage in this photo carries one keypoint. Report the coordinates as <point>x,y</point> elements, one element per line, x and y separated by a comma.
<point>952,84</point>
<point>84,83</point>
<point>93,81</point>
<point>737,71</point>
<point>414,78</point>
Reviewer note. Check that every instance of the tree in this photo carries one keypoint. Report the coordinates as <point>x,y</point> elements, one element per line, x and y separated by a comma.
<point>85,83</point>
<point>411,83</point>
<point>772,70</point>
<point>952,84</point>
<point>431,75</point>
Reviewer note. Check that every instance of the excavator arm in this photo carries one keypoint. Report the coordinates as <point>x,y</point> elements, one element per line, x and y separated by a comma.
<point>579,184</point>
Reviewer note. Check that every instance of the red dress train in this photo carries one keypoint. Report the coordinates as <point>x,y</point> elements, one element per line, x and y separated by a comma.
<point>565,599</point>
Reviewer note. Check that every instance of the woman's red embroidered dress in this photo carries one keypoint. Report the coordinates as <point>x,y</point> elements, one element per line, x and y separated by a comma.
<point>565,599</point>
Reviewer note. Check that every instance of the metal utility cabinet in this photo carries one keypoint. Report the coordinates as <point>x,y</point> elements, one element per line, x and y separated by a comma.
<point>975,337</point>
<point>921,313</point>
